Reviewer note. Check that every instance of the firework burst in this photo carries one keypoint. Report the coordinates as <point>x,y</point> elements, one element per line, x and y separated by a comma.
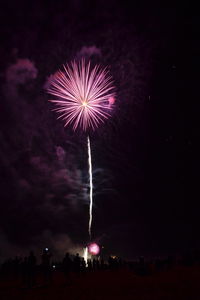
<point>82,94</point>
<point>84,99</point>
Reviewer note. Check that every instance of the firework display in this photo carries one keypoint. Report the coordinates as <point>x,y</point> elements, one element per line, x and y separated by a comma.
<point>84,99</point>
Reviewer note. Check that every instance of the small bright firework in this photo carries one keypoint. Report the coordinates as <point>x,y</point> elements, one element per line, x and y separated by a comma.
<point>93,249</point>
<point>83,95</point>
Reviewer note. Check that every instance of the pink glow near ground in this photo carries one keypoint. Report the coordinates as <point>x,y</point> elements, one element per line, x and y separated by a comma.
<point>94,249</point>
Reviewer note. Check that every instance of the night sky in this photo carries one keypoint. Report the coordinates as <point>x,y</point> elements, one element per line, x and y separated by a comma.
<point>138,154</point>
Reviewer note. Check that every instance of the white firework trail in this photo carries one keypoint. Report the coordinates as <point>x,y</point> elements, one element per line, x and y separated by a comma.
<point>91,187</point>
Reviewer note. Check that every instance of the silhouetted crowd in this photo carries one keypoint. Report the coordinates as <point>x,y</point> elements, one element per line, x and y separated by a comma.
<point>28,271</point>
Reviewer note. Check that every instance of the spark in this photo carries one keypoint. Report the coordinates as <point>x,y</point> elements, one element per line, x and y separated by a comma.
<point>82,95</point>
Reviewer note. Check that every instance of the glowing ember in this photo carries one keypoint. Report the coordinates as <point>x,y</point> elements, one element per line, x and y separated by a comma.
<point>111,100</point>
<point>94,249</point>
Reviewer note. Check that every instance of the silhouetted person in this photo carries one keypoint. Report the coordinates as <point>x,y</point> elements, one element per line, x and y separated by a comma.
<point>77,263</point>
<point>120,263</point>
<point>141,269</point>
<point>67,265</point>
<point>24,268</point>
<point>46,267</point>
<point>31,269</point>
<point>97,264</point>
<point>102,265</point>
<point>158,264</point>
<point>111,262</point>
<point>170,261</point>
<point>94,264</point>
<point>16,266</point>
<point>83,265</point>
<point>89,264</point>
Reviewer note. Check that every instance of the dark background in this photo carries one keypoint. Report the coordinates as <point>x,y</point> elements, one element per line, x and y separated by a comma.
<point>138,155</point>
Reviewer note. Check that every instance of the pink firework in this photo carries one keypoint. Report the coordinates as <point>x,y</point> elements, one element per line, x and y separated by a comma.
<point>94,249</point>
<point>82,95</point>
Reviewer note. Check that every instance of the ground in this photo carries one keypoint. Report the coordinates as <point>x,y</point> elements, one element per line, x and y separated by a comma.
<point>179,283</point>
